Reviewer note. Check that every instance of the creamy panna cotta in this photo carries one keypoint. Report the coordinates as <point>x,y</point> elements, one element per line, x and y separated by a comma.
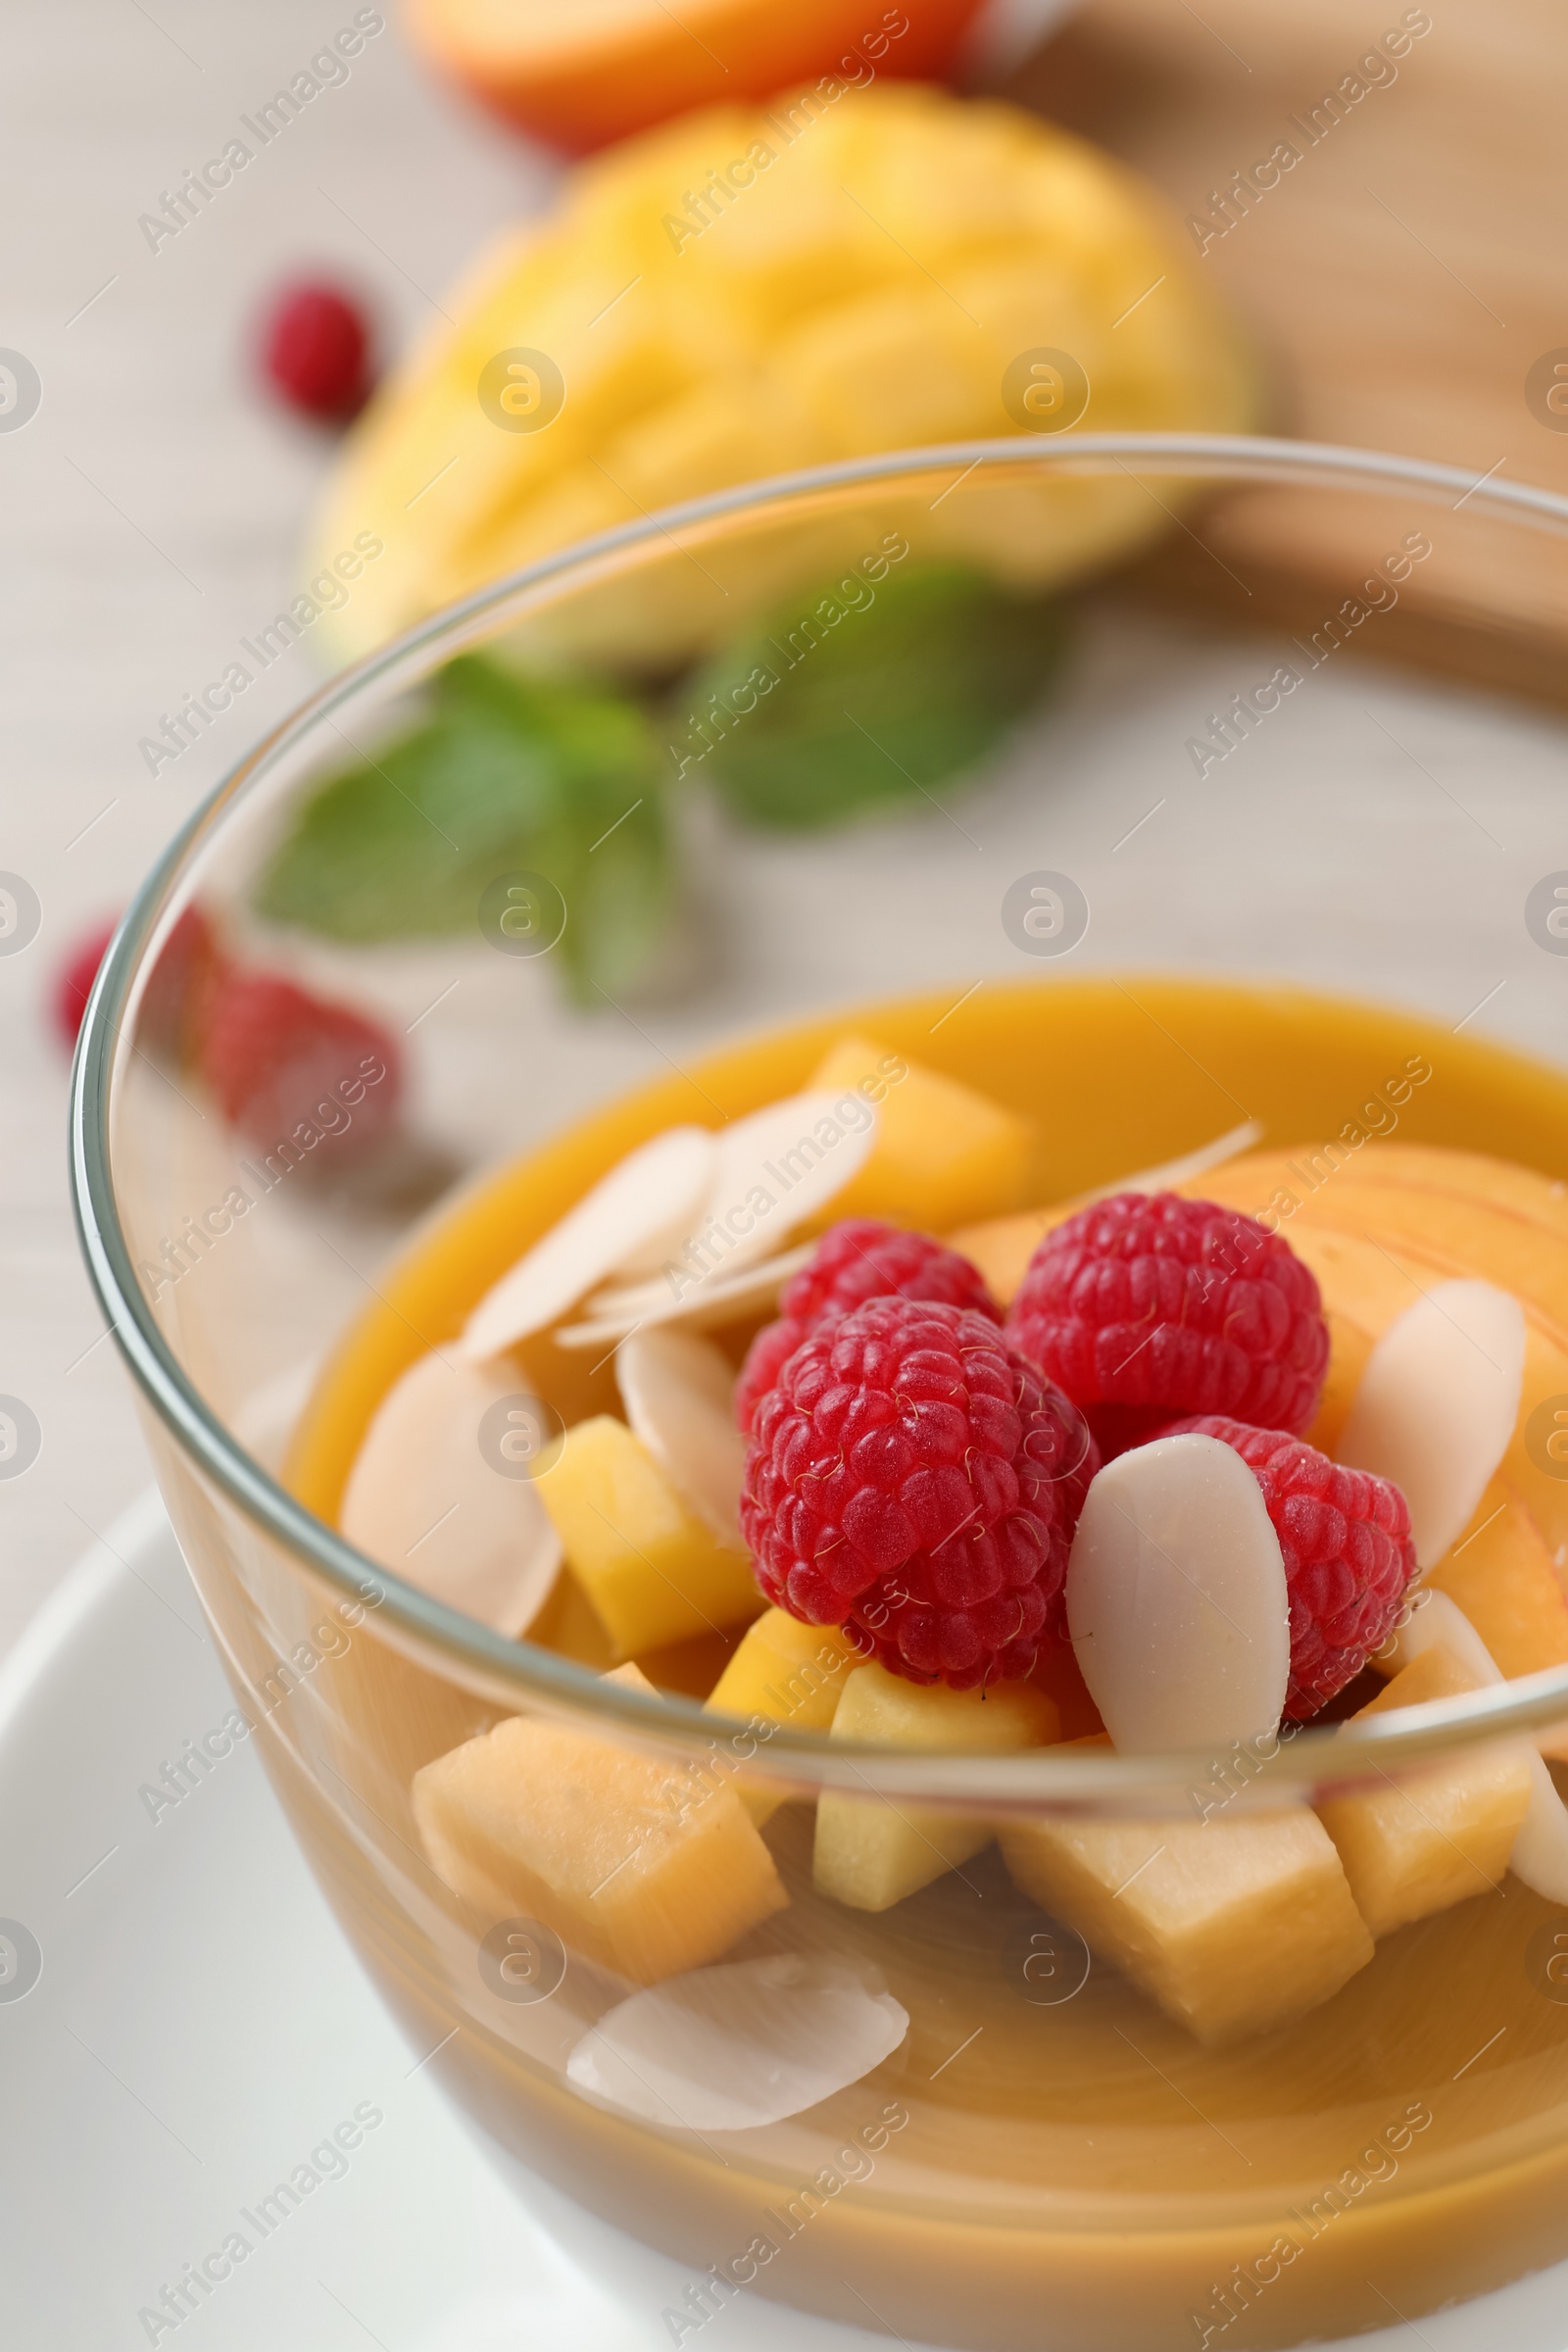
<point>932,1466</point>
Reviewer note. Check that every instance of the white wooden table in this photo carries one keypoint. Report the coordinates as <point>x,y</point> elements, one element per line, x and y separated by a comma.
<point>151,515</point>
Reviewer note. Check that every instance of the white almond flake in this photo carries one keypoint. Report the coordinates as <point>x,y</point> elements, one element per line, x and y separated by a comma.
<point>740,2045</point>
<point>678,1391</point>
<point>1437,1405</point>
<point>634,1215</point>
<point>1540,1855</point>
<point>1176,1598</point>
<point>1172,1172</point>
<point>701,1308</point>
<point>425,1501</point>
<point>777,1168</point>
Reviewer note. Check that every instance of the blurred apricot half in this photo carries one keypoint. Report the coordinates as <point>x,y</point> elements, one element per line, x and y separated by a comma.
<point>582,74</point>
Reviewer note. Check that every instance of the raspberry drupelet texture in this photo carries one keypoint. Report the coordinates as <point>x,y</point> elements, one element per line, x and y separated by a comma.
<point>1147,1305</point>
<point>914,1480</point>
<point>858,1260</point>
<point>1346,1540</point>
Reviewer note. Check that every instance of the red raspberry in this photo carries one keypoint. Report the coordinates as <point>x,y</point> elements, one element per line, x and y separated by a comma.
<point>912,1480</point>
<point>1147,1304</point>
<point>73,981</point>
<point>279,1059</point>
<point>1346,1539</point>
<point>858,1260</point>
<point>173,1000</point>
<point>316,351</point>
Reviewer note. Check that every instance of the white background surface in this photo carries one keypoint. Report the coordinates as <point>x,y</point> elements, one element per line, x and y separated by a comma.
<point>150,513</point>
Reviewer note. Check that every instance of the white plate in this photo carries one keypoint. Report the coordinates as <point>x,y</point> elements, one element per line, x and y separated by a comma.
<point>200,2025</point>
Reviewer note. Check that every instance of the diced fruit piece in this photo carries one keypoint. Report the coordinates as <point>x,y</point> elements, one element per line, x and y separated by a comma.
<point>788,1673</point>
<point>692,1667</point>
<point>942,1152</point>
<point>678,1389</point>
<point>1437,1405</point>
<point>1146,1305</point>
<point>1004,1248</point>
<point>280,1060</point>
<point>1435,1836</point>
<point>1232,1925</point>
<point>1176,1598</point>
<point>856,1259</point>
<point>869,1853</point>
<point>641,1866</point>
<point>1501,1574</point>
<point>626,1221</point>
<point>1540,1855</point>
<point>570,1626</point>
<point>316,349</point>
<point>912,1479</point>
<point>648,1564</point>
<point>426,1500</point>
<point>1345,1537</point>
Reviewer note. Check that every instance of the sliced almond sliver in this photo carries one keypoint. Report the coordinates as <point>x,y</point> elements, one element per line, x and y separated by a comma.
<point>1176,1598</point>
<point>701,1308</point>
<point>1437,1405</point>
<point>639,1211</point>
<point>737,2046</point>
<point>776,1168</point>
<point>1172,1172</point>
<point>679,1392</point>
<point>435,1496</point>
<point>1540,1855</point>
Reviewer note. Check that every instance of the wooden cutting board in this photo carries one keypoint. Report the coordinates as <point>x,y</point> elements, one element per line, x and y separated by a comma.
<point>1403,277</point>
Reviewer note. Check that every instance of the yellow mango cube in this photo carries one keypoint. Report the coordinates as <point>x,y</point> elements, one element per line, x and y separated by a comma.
<point>1435,1836</point>
<point>1003,1247</point>
<point>570,1626</point>
<point>786,1673</point>
<point>641,1866</point>
<point>1233,1926</point>
<point>650,1567</point>
<point>871,1853</point>
<point>942,1152</point>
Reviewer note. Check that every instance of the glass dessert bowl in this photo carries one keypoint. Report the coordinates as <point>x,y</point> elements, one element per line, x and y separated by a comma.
<point>1001,1849</point>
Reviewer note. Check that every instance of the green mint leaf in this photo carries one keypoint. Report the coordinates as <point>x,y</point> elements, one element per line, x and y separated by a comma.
<point>506,774</point>
<point>864,695</point>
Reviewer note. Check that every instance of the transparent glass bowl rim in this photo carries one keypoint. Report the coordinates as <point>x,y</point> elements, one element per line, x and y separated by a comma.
<point>518,1676</point>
